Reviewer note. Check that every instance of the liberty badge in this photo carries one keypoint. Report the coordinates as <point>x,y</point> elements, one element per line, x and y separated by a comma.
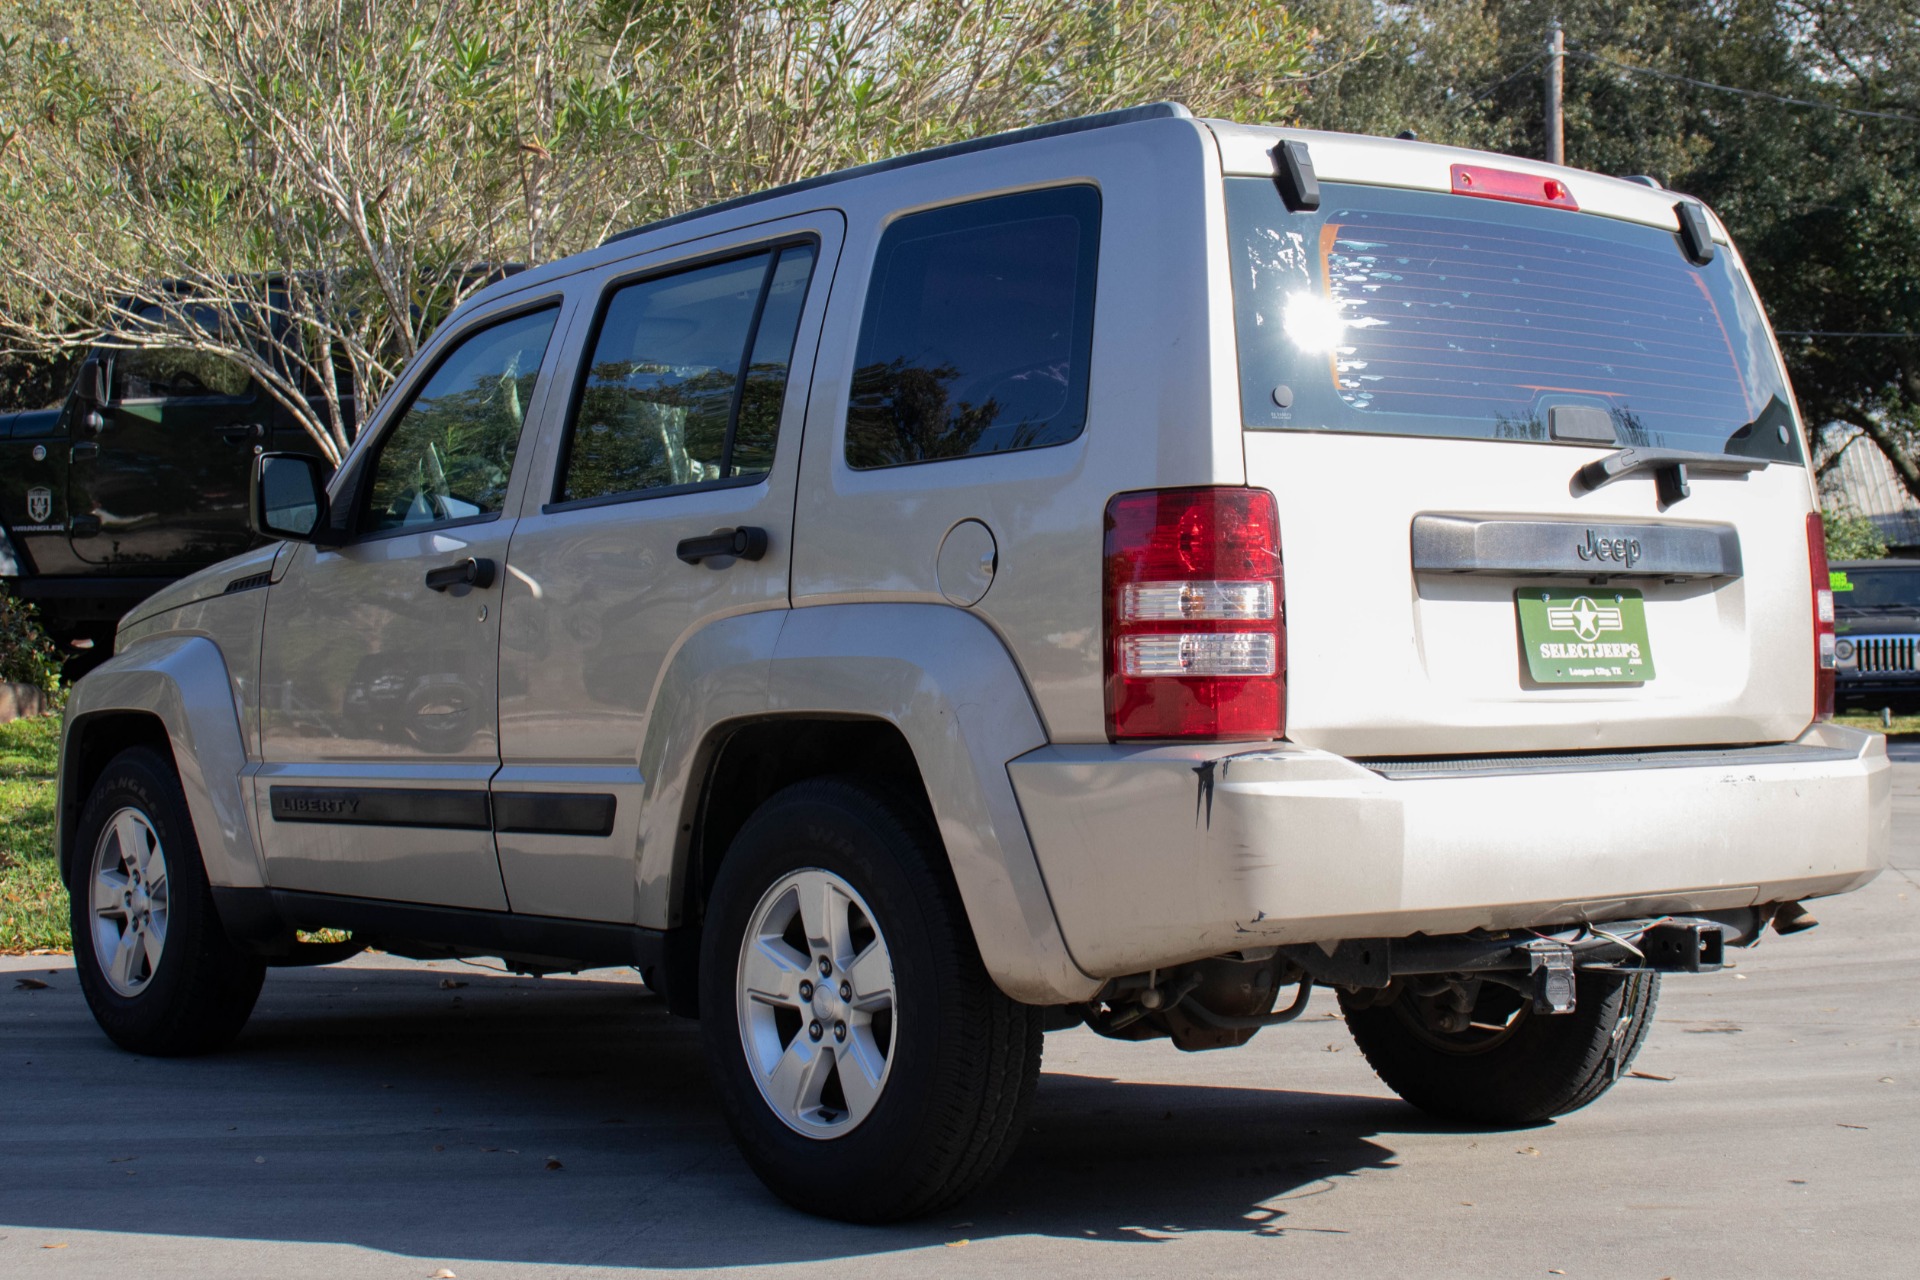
<point>39,504</point>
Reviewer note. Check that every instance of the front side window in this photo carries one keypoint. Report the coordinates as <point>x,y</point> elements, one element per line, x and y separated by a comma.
<point>451,454</point>
<point>687,378</point>
<point>978,330</point>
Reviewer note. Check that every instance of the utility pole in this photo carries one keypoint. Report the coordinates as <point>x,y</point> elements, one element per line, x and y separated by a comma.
<point>1556,82</point>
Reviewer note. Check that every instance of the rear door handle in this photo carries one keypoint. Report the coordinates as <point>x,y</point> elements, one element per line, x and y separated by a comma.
<point>745,542</point>
<point>471,572</point>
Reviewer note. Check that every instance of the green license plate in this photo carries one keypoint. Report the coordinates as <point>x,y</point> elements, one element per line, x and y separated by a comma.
<point>1598,636</point>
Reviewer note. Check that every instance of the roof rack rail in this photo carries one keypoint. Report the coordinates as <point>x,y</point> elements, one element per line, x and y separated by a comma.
<point>1079,124</point>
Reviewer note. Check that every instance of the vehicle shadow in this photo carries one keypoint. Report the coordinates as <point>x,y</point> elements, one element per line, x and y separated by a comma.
<point>460,1114</point>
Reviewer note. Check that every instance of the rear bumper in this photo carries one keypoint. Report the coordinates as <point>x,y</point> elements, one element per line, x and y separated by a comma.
<point>1157,855</point>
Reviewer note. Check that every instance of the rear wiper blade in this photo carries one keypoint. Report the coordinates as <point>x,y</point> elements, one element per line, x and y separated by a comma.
<point>1670,467</point>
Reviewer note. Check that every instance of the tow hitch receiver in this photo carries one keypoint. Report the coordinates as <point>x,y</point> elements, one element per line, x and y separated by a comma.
<point>1550,965</point>
<point>1684,948</point>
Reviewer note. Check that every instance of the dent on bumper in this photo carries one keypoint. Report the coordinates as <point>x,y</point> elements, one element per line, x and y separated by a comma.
<point>1157,855</point>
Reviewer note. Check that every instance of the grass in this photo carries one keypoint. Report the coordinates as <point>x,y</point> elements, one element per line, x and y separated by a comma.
<point>1902,724</point>
<point>33,902</point>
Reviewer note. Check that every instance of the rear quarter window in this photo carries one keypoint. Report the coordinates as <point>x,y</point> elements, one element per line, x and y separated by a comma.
<point>978,330</point>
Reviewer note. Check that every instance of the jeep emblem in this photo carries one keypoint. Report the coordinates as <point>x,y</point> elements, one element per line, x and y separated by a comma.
<point>1624,550</point>
<point>39,504</point>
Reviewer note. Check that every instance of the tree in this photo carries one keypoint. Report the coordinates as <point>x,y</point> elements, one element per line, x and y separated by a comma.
<point>1816,169</point>
<point>306,187</point>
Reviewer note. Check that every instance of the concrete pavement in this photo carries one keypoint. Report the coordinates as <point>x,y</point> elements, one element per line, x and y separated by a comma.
<point>392,1119</point>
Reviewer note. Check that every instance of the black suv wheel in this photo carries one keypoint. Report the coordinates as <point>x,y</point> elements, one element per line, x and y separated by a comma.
<point>1509,1065</point>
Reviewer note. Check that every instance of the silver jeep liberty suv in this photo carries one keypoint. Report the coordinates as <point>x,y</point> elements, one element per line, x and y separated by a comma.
<point>1114,573</point>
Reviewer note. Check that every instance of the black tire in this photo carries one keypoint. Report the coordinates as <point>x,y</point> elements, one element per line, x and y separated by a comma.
<point>964,1059</point>
<point>200,991</point>
<point>1540,1066</point>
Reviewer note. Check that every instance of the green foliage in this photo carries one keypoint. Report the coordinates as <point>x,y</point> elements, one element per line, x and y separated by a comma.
<point>26,655</point>
<point>332,176</point>
<point>1851,536</point>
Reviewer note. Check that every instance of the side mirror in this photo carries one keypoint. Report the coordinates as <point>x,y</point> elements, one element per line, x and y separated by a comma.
<point>93,381</point>
<point>289,496</point>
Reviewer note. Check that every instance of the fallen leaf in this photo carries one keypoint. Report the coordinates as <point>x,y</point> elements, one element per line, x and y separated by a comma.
<point>1527,1151</point>
<point>1648,1075</point>
<point>259,1159</point>
<point>1555,1271</point>
<point>30,984</point>
<point>1739,977</point>
<point>1467,1204</point>
<point>443,1274</point>
<point>1844,1125</point>
<point>451,984</point>
<point>61,1245</point>
<point>438,1147</point>
<point>1886,1079</point>
<point>1333,1048</point>
<point>1798,1182</point>
<point>120,1159</point>
<point>958,1244</point>
<point>553,1164</point>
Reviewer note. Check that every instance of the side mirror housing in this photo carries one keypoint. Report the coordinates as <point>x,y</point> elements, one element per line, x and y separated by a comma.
<point>93,381</point>
<point>288,498</point>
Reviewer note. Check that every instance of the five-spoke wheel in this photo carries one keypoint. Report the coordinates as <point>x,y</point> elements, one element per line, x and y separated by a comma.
<point>869,1068</point>
<point>157,969</point>
<point>815,1003</point>
<point>130,893</point>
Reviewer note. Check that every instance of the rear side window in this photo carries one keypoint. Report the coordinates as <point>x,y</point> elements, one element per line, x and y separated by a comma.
<point>978,330</point>
<point>1419,313</point>
<point>687,378</point>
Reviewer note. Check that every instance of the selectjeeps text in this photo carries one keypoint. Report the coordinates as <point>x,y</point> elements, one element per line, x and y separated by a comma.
<point>1129,573</point>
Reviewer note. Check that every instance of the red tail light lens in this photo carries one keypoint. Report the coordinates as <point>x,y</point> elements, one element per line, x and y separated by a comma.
<point>1196,631</point>
<point>1505,184</point>
<point>1823,657</point>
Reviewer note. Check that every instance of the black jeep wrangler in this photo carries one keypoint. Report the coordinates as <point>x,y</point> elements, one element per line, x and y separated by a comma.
<point>1876,608</point>
<point>137,479</point>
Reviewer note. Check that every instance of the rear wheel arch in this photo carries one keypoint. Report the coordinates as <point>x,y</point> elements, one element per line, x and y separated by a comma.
<point>743,765</point>
<point>746,764</point>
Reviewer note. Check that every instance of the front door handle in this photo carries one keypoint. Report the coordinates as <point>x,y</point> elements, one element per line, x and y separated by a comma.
<point>470,572</point>
<point>241,432</point>
<point>744,542</point>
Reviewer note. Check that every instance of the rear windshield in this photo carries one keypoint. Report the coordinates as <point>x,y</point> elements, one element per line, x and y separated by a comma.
<point>1425,314</point>
<point>1856,588</point>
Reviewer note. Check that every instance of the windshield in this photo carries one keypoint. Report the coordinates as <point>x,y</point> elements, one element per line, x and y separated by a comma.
<point>1858,588</point>
<point>1420,313</point>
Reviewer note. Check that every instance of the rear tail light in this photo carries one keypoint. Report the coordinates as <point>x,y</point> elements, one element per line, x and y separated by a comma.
<point>1196,631</point>
<point>1824,660</point>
